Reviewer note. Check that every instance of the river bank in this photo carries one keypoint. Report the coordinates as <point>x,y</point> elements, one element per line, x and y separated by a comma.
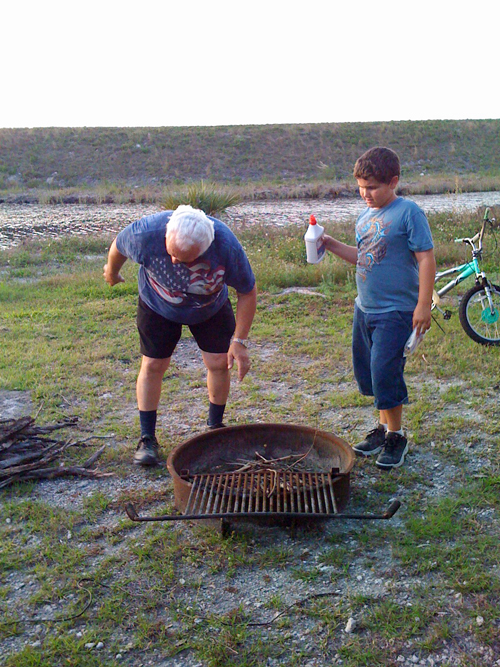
<point>25,221</point>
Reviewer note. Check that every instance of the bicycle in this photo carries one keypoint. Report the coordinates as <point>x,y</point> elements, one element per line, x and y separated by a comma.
<point>479,307</point>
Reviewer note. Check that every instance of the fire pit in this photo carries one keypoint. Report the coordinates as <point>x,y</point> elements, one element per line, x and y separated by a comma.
<point>266,472</point>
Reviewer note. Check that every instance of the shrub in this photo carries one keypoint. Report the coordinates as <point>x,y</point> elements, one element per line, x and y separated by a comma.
<point>205,196</point>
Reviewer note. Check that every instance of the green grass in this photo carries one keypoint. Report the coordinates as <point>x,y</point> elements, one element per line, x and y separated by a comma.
<point>70,341</point>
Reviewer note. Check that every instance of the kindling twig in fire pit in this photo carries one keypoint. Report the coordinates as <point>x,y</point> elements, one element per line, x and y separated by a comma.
<point>27,453</point>
<point>260,464</point>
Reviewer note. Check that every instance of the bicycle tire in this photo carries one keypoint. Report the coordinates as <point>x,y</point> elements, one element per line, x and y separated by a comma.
<point>475,315</point>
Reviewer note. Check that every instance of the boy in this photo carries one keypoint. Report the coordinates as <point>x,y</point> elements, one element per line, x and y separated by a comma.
<point>395,270</point>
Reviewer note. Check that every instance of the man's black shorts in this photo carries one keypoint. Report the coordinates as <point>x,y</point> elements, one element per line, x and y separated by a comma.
<point>159,336</point>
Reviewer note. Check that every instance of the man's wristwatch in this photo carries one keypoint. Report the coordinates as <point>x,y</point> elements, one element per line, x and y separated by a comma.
<point>241,341</point>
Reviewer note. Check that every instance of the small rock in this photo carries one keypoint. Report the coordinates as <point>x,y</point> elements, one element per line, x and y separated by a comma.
<point>90,645</point>
<point>350,626</point>
<point>479,620</point>
<point>100,645</point>
<point>8,521</point>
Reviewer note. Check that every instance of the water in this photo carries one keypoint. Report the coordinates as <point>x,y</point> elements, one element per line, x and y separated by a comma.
<point>22,221</point>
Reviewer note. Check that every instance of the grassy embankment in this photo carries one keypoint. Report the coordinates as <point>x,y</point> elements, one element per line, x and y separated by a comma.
<point>268,161</point>
<point>70,340</point>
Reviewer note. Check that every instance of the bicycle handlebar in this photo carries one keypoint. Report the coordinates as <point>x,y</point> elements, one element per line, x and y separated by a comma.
<point>480,234</point>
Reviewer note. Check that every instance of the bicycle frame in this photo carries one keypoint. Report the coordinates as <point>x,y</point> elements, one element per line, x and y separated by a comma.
<point>464,271</point>
<point>467,269</point>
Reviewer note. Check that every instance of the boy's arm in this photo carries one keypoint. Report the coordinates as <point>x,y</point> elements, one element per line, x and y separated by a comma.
<point>347,252</point>
<point>426,276</point>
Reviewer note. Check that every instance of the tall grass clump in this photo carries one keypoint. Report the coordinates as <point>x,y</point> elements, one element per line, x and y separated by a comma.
<point>207,197</point>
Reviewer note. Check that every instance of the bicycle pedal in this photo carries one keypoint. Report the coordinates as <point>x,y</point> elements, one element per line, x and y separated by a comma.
<point>447,314</point>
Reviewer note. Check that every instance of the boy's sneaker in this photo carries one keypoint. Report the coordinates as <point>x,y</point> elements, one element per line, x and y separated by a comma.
<point>372,444</point>
<point>147,453</point>
<point>395,450</point>
<point>212,427</point>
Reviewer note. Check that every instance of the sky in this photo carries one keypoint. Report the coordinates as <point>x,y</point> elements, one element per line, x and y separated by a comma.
<point>218,62</point>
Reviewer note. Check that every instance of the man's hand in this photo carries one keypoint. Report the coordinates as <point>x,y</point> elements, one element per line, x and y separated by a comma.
<point>115,262</point>
<point>238,352</point>
<point>112,278</point>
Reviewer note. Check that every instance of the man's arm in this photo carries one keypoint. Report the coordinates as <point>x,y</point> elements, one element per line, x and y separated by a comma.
<point>348,253</point>
<point>112,269</point>
<point>426,276</point>
<point>246,306</point>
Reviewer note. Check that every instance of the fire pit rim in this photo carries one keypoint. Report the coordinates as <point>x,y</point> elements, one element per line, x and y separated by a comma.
<point>227,431</point>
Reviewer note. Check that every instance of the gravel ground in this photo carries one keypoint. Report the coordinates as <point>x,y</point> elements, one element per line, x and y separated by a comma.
<point>371,572</point>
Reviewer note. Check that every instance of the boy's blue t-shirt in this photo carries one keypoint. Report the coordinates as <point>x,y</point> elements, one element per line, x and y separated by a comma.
<point>387,269</point>
<point>187,293</point>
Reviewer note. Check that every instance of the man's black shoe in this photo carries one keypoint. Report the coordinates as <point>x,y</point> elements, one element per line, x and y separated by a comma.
<point>212,427</point>
<point>147,453</point>
<point>372,444</point>
<point>394,452</point>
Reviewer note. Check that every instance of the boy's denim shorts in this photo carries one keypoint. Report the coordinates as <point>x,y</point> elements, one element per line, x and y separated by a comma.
<point>378,342</point>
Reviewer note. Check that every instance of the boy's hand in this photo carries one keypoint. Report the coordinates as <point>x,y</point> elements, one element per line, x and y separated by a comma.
<point>346,252</point>
<point>421,318</point>
<point>329,242</point>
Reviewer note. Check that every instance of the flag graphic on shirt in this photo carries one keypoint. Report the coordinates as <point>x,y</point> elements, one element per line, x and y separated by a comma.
<point>181,280</point>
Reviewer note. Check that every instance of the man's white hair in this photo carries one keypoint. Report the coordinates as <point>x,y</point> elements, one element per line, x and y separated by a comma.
<point>191,228</point>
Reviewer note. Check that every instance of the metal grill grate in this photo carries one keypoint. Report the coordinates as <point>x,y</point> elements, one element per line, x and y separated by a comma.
<point>268,492</point>
<point>274,494</point>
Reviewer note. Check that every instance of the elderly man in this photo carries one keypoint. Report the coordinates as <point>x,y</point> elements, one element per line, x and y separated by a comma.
<point>187,260</point>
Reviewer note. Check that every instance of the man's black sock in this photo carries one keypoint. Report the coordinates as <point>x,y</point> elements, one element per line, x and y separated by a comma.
<point>215,414</point>
<point>148,422</point>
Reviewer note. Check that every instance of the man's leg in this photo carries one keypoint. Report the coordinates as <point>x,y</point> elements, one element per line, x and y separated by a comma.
<point>218,384</point>
<point>148,397</point>
<point>214,338</point>
<point>149,382</point>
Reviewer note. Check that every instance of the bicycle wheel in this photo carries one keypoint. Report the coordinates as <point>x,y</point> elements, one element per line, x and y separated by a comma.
<point>476,318</point>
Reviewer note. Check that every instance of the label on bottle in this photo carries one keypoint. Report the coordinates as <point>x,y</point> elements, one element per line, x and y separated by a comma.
<point>315,244</point>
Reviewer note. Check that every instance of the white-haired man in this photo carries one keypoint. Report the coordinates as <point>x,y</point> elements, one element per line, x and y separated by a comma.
<point>187,261</point>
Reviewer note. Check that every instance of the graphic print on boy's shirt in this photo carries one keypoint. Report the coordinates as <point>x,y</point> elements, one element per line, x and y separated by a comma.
<point>183,279</point>
<point>372,244</point>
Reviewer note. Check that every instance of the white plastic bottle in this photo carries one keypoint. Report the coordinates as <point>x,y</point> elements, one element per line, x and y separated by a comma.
<point>315,242</point>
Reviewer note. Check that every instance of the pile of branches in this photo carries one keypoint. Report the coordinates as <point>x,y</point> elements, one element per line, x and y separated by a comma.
<point>27,452</point>
<point>293,462</point>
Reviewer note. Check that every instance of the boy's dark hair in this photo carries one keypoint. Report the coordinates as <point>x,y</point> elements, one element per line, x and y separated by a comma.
<point>379,163</point>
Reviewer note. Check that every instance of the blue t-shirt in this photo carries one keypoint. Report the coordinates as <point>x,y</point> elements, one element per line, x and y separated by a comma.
<point>187,293</point>
<point>387,269</point>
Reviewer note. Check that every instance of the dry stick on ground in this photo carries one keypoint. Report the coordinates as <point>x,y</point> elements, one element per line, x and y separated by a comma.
<point>26,452</point>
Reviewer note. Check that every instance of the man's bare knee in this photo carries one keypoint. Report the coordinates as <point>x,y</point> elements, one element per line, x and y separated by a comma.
<point>151,366</point>
<point>215,363</point>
